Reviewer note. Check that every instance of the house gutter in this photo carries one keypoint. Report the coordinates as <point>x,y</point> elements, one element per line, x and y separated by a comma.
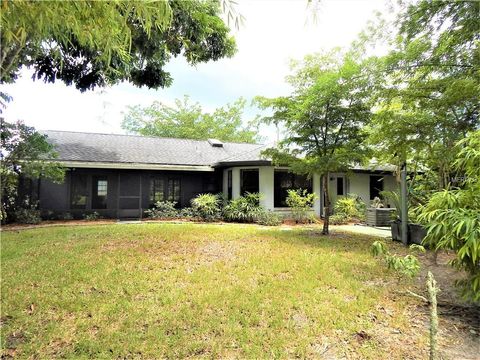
<point>133,166</point>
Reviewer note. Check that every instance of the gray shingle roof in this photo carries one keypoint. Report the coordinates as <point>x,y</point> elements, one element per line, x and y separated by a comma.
<point>92,147</point>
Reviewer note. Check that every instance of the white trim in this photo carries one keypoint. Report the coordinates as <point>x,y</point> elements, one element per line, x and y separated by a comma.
<point>136,166</point>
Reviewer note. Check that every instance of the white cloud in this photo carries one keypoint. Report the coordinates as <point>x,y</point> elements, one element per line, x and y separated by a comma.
<point>274,32</point>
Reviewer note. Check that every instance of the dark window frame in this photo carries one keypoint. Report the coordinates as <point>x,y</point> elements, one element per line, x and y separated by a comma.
<point>99,201</point>
<point>375,190</point>
<point>252,186</point>
<point>157,188</point>
<point>170,194</point>
<point>340,186</point>
<point>229,184</point>
<point>295,182</point>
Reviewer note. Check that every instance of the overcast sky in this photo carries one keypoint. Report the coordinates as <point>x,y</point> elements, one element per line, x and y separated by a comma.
<point>274,32</point>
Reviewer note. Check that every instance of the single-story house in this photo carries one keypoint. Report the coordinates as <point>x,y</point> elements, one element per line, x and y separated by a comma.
<point>119,176</point>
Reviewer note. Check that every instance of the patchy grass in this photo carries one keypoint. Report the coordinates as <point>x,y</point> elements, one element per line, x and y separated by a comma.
<point>189,290</point>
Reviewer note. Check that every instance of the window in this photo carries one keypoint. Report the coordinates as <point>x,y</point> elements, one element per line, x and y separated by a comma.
<point>340,190</point>
<point>249,181</point>
<point>376,186</point>
<point>174,190</point>
<point>284,181</point>
<point>229,184</point>
<point>78,191</point>
<point>99,192</point>
<point>157,191</point>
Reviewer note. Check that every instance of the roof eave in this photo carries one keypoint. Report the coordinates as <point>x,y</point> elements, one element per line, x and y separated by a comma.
<point>133,166</point>
<point>242,163</point>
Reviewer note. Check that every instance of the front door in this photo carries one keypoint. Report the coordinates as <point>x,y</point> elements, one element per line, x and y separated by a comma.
<point>129,195</point>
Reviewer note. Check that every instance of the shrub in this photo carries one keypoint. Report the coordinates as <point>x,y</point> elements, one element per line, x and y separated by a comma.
<point>300,201</point>
<point>65,216</point>
<point>207,206</point>
<point>92,216</point>
<point>339,219</point>
<point>351,207</point>
<point>188,213</point>
<point>407,265</point>
<point>162,210</point>
<point>244,209</point>
<point>452,217</point>
<point>28,216</point>
<point>268,218</point>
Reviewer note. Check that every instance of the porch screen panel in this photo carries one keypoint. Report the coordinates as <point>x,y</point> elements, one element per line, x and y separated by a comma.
<point>249,181</point>
<point>284,181</point>
<point>78,191</point>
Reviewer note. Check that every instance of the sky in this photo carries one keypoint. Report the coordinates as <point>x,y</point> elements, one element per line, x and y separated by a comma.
<point>274,32</point>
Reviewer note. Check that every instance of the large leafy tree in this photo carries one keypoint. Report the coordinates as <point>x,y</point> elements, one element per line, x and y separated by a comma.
<point>188,120</point>
<point>24,153</point>
<point>95,43</point>
<point>427,96</point>
<point>323,117</point>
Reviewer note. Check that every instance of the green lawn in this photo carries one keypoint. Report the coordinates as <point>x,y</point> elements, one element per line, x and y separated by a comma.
<point>189,290</point>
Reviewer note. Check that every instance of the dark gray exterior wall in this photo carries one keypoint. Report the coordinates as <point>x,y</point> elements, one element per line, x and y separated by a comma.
<point>55,199</point>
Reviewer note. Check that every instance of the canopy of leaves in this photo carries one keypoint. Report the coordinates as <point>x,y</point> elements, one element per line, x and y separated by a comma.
<point>324,115</point>
<point>95,43</point>
<point>452,216</point>
<point>187,120</point>
<point>427,89</point>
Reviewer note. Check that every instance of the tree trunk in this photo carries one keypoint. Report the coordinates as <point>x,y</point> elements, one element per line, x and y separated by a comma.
<point>326,206</point>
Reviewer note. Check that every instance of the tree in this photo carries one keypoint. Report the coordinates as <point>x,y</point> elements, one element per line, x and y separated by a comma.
<point>452,216</point>
<point>188,121</point>
<point>427,98</point>
<point>126,40</point>
<point>323,117</point>
<point>23,153</point>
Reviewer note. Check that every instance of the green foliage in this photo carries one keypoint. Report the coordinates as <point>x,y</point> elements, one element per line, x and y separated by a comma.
<point>243,209</point>
<point>188,213</point>
<point>339,219</point>
<point>162,210</point>
<point>351,206</point>
<point>324,117</point>
<point>207,206</point>
<point>452,217</point>
<point>426,97</point>
<point>92,216</point>
<point>268,218</point>
<point>408,265</point>
<point>27,215</point>
<point>24,153</point>
<point>188,121</point>
<point>126,40</point>
<point>300,202</point>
